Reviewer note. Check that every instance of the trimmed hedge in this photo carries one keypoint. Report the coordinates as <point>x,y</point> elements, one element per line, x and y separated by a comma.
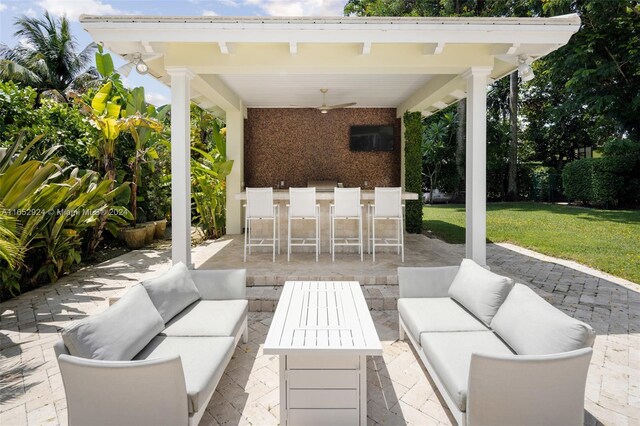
<point>602,181</point>
<point>413,169</point>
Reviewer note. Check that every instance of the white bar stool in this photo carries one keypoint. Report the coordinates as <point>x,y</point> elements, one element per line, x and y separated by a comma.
<point>387,206</point>
<point>346,207</point>
<point>302,206</point>
<point>260,206</point>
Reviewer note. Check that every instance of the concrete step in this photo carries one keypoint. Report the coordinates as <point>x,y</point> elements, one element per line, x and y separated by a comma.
<point>265,298</point>
<point>279,280</point>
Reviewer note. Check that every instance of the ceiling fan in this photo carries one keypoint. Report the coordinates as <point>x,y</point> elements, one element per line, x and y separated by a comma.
<point>324,108</point>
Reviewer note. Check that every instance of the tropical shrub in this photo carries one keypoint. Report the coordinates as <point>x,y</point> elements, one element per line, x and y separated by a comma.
<point>143,123</point>
<point>58,123</point>
<point>208,184</point>
<point>47,205</point>
<point>209,170</point>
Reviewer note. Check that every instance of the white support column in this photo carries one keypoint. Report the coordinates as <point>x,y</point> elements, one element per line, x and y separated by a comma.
<point>476,164</point>
<point>235,152</point>
<point>180,165</point>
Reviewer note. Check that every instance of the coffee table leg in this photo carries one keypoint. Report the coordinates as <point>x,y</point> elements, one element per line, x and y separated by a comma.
<point>363,390</point>
<point>283,390</point>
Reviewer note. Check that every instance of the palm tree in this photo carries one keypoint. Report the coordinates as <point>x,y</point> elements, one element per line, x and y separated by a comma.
<point>46,57</point>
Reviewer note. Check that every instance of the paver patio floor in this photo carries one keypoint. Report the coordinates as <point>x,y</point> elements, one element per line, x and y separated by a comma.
<point>400,390</point>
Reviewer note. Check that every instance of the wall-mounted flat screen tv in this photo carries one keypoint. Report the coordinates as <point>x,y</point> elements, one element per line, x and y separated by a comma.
<point>371,138</point>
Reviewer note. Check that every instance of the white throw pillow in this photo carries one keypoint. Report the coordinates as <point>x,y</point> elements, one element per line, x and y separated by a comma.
<point>172,291</point>
<point>479,290</point>
<point>118,333</point>
<point>532,326</point>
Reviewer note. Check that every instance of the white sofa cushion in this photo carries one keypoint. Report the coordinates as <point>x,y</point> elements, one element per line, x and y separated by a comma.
<point>450,356</point>
<point>479,290</point>
<point>422,315</point>
<point>118,333</point>
<point>203,361</point>
<point>532,326</point>
<point>209,318</point>
<point>172,291</point>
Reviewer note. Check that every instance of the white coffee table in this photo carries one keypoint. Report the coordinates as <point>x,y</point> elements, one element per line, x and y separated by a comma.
<point>323,332</point>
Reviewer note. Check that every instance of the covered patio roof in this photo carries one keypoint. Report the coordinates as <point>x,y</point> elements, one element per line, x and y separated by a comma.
<point>229,64</point>
<point>412,63</point>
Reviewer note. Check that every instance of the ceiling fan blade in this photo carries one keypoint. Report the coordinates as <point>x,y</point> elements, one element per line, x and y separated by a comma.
<point>339,106</point>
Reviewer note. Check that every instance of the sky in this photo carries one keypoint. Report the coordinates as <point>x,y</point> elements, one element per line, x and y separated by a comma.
<point>156,92</point>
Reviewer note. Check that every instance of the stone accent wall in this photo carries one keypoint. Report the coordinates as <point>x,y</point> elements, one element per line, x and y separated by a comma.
<point>301,144</point>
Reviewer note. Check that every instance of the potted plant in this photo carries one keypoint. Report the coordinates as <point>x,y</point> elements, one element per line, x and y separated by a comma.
<point>160,228</point>
<point>134,237</point>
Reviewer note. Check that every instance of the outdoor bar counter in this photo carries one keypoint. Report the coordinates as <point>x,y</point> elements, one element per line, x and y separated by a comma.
<point>302,228</point>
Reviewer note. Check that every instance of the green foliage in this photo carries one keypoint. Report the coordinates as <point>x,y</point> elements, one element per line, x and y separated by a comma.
<point>208,182</point>
<point>47,206</point>
<point>607,181</point>
<point>413,169</point>
<point>46,59</point>
<point>584,94</point>
<point>58,123</point>
<point>209,170</point>
<point>438,149</point>
<point>104,63</point>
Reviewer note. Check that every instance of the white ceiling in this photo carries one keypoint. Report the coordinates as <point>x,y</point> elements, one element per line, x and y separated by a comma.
<point>304,90</point>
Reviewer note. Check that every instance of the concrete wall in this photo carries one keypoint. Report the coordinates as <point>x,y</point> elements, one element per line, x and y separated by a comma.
<point>299,144</point>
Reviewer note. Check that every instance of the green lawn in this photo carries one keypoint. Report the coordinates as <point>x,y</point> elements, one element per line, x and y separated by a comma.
<point>608,240</point>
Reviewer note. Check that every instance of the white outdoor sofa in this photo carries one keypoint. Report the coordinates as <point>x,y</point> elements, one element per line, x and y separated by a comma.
<point>156,356</point>
<point>498,353</point>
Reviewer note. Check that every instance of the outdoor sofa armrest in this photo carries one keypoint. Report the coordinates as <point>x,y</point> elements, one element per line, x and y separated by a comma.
<point>146,392</point>
<point>223,284</point>
<point>528,389</point>
<point>426,282</point>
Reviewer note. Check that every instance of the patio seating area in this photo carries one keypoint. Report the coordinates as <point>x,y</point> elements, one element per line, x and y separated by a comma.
<point>399,389</point>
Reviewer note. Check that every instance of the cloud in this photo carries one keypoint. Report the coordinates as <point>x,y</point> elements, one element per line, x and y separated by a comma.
<point>229,3</point>
<point>300,8</point>
<point>156,98</point>
<point>3,7</point>
<point>209,13</point>
<point>31,12</point>
<point>74,8</point>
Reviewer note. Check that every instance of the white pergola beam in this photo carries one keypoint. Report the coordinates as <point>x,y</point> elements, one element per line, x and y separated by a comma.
<point>440,105</point>
<point>433,91</point>
<point>293,48</point>
<point>476,165</point>
<point>365,48</point>
<point>513,49</point>
<point>336,58</point>
<point>225,48</point>
<point>216,91</point>
<point>180,165</point>
<point>458,94</point>
<point>433,48</point>
<point>147,47</point>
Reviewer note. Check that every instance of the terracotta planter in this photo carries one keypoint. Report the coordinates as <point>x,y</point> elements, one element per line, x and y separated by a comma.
<point>134,237</point>
<point>150,228</point>
<point>161,227</point>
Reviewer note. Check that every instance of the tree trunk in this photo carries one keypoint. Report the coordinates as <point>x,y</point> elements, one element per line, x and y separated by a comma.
<point>98,229</point>
<point>512,187</point>
<point>134,190</point>
<point>461,142</point>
